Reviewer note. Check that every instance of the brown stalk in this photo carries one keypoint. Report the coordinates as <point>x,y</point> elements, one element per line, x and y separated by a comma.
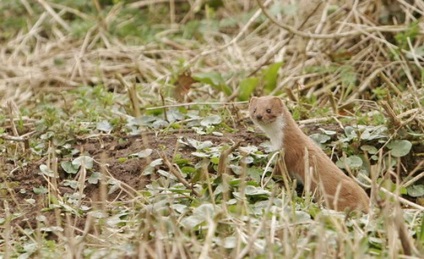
<point>391,113</point>
<point>331,35</point>
<point>404,236</point>
<point>103,182</point>
<point>132,95</point>
<point>223,158</point>
<point>286,42</point>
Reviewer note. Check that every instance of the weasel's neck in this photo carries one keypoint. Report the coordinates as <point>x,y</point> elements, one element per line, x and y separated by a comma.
<point>275,132</point>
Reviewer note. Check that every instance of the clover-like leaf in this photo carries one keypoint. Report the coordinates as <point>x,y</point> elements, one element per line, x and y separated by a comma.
<point>200,154</point>
<point>104,126</point>
<point>351,162</point>
<point>400,148</point>
<point>208,210</point>
<point>302,217</point>
<point>69,167</point>
<point>254,191</point>
<point>46,170</point>
<point>211,120</point>
<point>328,132</point>
<point>149,169</point>
<point>94,178</point>
<point>85,161</point>
<point>369,149</point>
<point>200,214</point>
<point>371,133</point>
<point>174,115</point>
<point>320,138</point>
<point>199,145</point>
<point>40,190</point>
<point>192,221</point>
<point>350,132</point>
<point>143,153</point>
<point>71,183</point>
<point>416,190</point>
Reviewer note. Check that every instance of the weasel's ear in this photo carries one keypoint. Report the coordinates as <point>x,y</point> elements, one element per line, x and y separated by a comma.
<point>253,100</point>
<point>276,101</point>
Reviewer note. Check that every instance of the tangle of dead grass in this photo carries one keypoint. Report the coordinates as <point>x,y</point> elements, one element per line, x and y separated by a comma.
<point>351,35</point>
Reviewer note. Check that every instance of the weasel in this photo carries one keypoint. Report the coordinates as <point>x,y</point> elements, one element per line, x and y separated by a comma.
<point>339,191</point>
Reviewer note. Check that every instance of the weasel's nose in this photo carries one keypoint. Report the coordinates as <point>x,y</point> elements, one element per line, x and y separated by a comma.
<point>259,117</point>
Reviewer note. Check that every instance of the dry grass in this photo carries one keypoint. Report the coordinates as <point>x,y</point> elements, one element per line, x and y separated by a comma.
<point>344,42</point>
<point>357,57</point>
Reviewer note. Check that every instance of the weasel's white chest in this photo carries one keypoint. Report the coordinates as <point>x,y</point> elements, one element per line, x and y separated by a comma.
<point>275,132</point>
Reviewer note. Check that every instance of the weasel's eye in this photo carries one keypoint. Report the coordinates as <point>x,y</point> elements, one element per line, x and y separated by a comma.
<point>254,110</point>
<point>268,110</point>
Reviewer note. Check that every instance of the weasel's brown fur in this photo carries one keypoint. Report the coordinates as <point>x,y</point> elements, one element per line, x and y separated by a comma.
<point>339,191</point>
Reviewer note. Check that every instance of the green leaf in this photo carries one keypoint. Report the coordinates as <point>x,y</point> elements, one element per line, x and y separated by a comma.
<point>421,232</point>
<point>180,161</point>
<point>400,148</point>
<point>320,138</point>
<point>410,34</point>
<point>350,132</point>
<point>371,133</point>
<point>40,190</point>
<point>246,88</point>
<point>192,221</point>
<point>200,214</point>
<point>143,153</point>
<point>206,210</point>
<point>302,217</point>
<point>104,126</point>
<point>254,191</point>
<point>210,78</point>
<point>188,170</point>
<point>200,154</point>
<point>369,149</point>
<point>270,75</point>
<point>94,178</point>
<point>211,120</point>
<point>416,190</point>
<point>328,132</point>
<point>213,79</point>
<point>151,167</point>
<point>69,167</point>
<point>71,183</point>
<point>85,161</point>
<point>199,145</point>
<point>46,170</point>
<point>351,162</point>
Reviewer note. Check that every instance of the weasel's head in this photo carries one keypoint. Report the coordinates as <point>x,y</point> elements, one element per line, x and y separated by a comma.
<point>265,110</point>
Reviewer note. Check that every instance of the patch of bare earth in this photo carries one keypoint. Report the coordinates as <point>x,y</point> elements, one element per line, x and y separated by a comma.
<point>114,151</point>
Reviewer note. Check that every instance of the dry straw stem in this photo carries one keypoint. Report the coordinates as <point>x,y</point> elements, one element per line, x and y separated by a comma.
<point>405,239</point>
<point>392,115</point>
<point>28,60</point>
<point>223,158</point>
<point>252,238</point>
<point>332,35</point>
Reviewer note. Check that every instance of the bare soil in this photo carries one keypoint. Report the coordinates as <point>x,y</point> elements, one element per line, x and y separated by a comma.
<point>116,151</point>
